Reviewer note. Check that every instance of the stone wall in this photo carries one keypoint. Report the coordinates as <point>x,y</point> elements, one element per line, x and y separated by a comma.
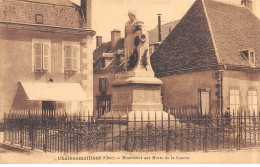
<point>16,63</point>
<point>242,81</point>
<point>182,91</point>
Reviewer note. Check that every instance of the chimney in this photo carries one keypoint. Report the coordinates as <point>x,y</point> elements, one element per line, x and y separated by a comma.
<point>247,3</point>
<point>86,6</point>
<point>159,28</point>
<point>115,36</point>
<point>99,40</point>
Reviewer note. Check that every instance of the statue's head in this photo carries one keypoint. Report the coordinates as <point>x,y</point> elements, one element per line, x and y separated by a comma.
<point>132,15</point>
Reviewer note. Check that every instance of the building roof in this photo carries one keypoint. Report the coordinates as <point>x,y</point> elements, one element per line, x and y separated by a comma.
<point>165,31</point>
<point>58,13</point>
<point>211,33</point>
<point>105,47</point>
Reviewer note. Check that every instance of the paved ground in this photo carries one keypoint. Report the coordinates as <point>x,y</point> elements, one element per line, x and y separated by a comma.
<point>247,156</point>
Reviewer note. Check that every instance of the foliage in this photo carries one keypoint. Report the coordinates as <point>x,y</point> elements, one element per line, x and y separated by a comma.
<point>144,59</point>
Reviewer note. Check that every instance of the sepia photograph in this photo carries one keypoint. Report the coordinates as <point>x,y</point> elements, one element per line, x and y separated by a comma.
<point>129,81</point>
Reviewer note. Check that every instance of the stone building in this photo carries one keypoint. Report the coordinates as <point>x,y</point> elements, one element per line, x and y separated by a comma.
<point>46,55</point>
<point>211,59</point>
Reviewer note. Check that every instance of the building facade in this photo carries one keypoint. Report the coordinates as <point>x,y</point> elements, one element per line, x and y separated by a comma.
<point>46,53</point>
<point>211,59</point>
<point>208,62</point>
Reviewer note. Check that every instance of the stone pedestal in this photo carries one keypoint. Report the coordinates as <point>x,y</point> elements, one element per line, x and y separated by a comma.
<point>136,93</point>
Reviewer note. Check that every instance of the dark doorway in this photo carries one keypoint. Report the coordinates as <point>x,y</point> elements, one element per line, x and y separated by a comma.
<point>48,108</point>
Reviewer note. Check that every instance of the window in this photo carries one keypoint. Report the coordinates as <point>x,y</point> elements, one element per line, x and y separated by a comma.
<point>204,102</point>
<point>41,57</point>
<point>252,101</point>
<point>249,54</point>
<point>102,84</point>
<point>39,19</point>
<point>252,58</point>
<point>71,57</point>
<point>234,100</point>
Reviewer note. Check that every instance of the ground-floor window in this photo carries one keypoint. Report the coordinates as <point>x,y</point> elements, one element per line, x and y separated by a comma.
<point>204,102</point>
<point>103,104</point>
<point>252,101</point>
<point>234,100</point>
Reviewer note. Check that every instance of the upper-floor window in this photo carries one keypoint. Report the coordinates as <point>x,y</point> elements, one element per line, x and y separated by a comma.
<point>39,18</point>
<point>249,54</point>
<point>102,84</point>
<point>41,55</point>
<point>71,56</point>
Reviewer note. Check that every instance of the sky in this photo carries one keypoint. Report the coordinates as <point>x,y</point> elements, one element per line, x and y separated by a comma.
<point>108,15</point>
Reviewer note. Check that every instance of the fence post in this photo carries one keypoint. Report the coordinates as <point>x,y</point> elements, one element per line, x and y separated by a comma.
<point>205,135</point>
<point>182,132</point>
<point>127,132</point>
<point>162,129</point>
<point>201,137</point>
<point>148,131</point>
<point>4,127</point>
<point>175,130</point>
<point>134,130</point>
<point>258,116</point>
<point>155,125</point>
<point>119,131</point>
<point>104,131</point>
<point>234,128</point>
<point>188,131</point>
<point>169,133</point>
<point>112,131</point>
<point>254,119</point>
<point>245,124</point>
<point>142,127</point>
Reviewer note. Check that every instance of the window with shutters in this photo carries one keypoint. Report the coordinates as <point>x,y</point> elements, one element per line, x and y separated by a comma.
<point>71,57</point>
<point>41,55</point>
<point>252,101</point>
<point>234,100</point>
<point>102,84</point>
<point>204,102</point>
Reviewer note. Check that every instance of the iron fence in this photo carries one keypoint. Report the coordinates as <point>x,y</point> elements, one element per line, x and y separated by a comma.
<point>54,131</point>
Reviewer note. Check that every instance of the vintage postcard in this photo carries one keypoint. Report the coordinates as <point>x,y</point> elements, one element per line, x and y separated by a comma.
<point>129,82</point>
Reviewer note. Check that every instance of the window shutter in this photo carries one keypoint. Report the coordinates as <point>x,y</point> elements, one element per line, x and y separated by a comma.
<point>75,58</point>
<point>105,84</point>
<point>205,104</point>
<point>252,101</point>
<point>100,84</point>
<point>46,56</point>
<point>68,52</point>
<point>38,55</point>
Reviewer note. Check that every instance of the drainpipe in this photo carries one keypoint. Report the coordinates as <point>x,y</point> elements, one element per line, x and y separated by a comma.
<point>159,28</point>
<point>221,91</point>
